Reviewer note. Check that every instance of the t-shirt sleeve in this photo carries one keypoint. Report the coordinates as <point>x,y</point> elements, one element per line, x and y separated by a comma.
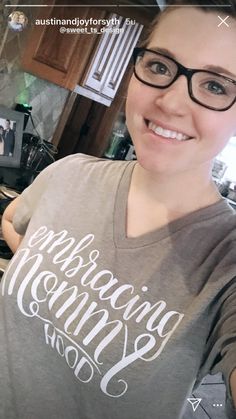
<point>220,355</point>
<point>30,197</point>
<point>225,336</point>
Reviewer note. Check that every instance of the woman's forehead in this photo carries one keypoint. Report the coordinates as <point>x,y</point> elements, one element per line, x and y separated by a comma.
<point>195,38</point>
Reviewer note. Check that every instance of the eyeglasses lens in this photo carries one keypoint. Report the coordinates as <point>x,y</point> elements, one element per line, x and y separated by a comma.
<point>155,69</point>
<point>213,90</point>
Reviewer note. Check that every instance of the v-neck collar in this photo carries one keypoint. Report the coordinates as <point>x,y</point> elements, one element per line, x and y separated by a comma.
<point>120,216</point>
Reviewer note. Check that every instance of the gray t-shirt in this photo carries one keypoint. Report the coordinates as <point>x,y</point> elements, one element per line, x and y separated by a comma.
<point>96,325</point>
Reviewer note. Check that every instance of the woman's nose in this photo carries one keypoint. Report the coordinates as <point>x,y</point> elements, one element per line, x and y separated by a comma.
<point>175,98</point>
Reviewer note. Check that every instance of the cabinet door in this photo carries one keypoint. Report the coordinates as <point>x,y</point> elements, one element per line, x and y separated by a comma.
<point>60,57</point>
<point>111,59</point>
<point>93,60</point>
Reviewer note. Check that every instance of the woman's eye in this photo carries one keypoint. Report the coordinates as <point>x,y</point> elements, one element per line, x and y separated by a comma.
<point>158,68</point>
<point>216,88</point>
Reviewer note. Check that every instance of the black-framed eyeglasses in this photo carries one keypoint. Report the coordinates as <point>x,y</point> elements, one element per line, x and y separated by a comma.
<point>211,90</point>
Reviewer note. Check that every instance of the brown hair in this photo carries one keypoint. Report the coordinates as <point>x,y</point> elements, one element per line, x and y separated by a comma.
<point>226,6</point>
<point>214,6</point>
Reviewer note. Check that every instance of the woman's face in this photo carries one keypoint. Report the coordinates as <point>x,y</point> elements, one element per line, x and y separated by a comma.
<point>195,39</point>
<point>22,19</point>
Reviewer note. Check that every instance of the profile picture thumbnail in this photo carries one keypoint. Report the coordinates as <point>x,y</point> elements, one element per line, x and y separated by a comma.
<point>17,21</point>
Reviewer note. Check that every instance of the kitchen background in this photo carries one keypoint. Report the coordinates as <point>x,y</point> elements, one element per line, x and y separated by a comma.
<point>69,94</point>
<point>67,110</point>
<point>17,86</point>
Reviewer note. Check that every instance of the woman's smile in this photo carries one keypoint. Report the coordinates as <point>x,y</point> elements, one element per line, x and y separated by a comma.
<point>170,135</point>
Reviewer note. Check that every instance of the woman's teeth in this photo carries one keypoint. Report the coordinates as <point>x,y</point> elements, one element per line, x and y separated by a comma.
<point>167,133</point>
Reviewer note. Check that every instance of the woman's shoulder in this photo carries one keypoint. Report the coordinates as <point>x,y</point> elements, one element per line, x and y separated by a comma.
<point>80,168</point>
<point>85,164</point>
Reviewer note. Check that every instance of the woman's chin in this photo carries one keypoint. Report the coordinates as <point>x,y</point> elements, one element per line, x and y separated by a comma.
<point>152,163</point>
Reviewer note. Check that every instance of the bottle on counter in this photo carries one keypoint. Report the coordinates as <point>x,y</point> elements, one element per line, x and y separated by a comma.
<point>122,149</point>
<point>117,144</point>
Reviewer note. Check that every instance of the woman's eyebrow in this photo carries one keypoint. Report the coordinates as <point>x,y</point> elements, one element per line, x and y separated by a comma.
<point>163,51</point>
<point>218,69</point>
<point>214,68</point>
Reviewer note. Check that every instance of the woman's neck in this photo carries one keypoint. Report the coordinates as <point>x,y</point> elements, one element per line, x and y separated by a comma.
<point>179,192</point>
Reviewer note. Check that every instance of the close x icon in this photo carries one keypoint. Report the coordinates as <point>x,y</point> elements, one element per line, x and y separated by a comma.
<point>223,21</point>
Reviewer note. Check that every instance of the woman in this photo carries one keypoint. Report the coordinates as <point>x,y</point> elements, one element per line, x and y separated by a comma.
<point>121,297</point>
<point>1,140</point>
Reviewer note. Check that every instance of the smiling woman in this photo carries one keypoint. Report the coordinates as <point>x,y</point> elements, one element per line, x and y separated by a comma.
<point>124,277</point>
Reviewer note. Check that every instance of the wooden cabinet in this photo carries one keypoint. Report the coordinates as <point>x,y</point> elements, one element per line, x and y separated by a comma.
<point>94,58</point>
<point>92,65</point>
<point>85,125</point>
<point>110,59</point>
<point>61,58</point>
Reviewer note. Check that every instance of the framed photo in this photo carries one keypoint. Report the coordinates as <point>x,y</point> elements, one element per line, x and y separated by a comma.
<point>11,133</point>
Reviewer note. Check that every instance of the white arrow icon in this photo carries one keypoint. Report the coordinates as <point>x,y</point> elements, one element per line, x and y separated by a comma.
<point>195,403</point>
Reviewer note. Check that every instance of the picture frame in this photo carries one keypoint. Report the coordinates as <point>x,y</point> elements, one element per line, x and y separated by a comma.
<point>11,134</point>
